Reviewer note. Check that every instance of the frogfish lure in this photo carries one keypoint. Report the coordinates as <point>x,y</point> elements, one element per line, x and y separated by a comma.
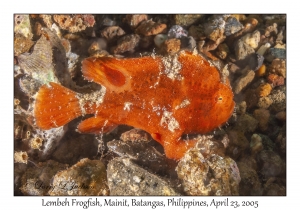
<point>165,96</point>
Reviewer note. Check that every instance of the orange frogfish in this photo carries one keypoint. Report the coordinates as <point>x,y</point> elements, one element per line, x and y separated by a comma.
<point>165,96</point>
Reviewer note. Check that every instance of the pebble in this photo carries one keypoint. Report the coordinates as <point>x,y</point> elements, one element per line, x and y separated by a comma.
<point>233,68</point>
<point>246,123</point>
<point>146,42</point>
<point>261,71</point>
<point>197,32</point>
<point>262,116</point>
<point>188,43</point>
<point>126,178</point>
<point>263,48</point>
<point>279,19</point>
<point>135,135</point>
<point>271,188</point>
<point>256,144</point>
<point>222,51</point>
<point>126,43</point>
<point>187,20</point>
<point>252,39</point>
<point>85,178</point>
<point>275,80</point>
<point>270,163</point>
<point>209,175</point>
<point>232,26</point>
<point>148,28</point>
<point>47,19</point>
<point>281,116</point>
<point>251,98</point>
<point>134,20</point>
<point>159,39</point>
<point>278,107</point>
<point>278,66</point>
<point>101,53</point>
<point>97,45</point>
<point>238,143</point>
<point>274,53</point>
<point>209,46</point>
<point>208,145</point>
<point>271,30</point>
<point>107,21</point>
<point>246,78</point>
<point>281,36</point>
<point>177,32</point>
<point>242,50</point>
<point>250,24</point>
<point>250,183</point>
<point>239,17</point>
<point>241,108</point>
<point>264,102</point>
<point>171,46</point>
<point>22,26</point>
<point>278,96</point>
<point>214,28</point>
<point>21,44</point>
<point>280,143</point>
<point>74,23</point>
<point>264,90</point>
<point>112,33</point>
<point>37,29</point>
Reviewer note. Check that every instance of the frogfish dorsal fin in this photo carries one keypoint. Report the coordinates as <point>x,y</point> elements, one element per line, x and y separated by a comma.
<point>108,72</point>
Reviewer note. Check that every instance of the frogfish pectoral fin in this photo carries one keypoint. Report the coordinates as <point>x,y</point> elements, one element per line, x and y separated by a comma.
<point>174,146</point>
<point>108,72</point>
<point>175,149</point>
<point>96,125</point>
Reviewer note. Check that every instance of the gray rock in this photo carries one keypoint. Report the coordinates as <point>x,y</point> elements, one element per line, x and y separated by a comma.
<point>232,26</point>
<point>250,183</point>
<point>112,33</point>
<point>126,43</point>
<point>274,53</point>
<point>270,163</point>
<point>127,178</point>
<point>252,39</point>
<point>246,123</point>
<point>237,144</point>
<point>143,154</point>
<point>87,177</point>
<point>187,20</point>
<point>243,80</point>
<point>242,50</point>
<point>188,43</point>
<point>177,32</point>
<point>206,173</point>
<point>214,28</point>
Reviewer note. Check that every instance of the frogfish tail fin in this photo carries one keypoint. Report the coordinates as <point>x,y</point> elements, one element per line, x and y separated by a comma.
<point>55,106</point>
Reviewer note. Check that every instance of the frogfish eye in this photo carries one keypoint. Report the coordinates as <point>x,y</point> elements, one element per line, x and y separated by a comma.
<point>219,98</point>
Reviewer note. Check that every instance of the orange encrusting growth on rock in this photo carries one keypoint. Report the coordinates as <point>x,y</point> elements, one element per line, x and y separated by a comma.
<point>165,97</point>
